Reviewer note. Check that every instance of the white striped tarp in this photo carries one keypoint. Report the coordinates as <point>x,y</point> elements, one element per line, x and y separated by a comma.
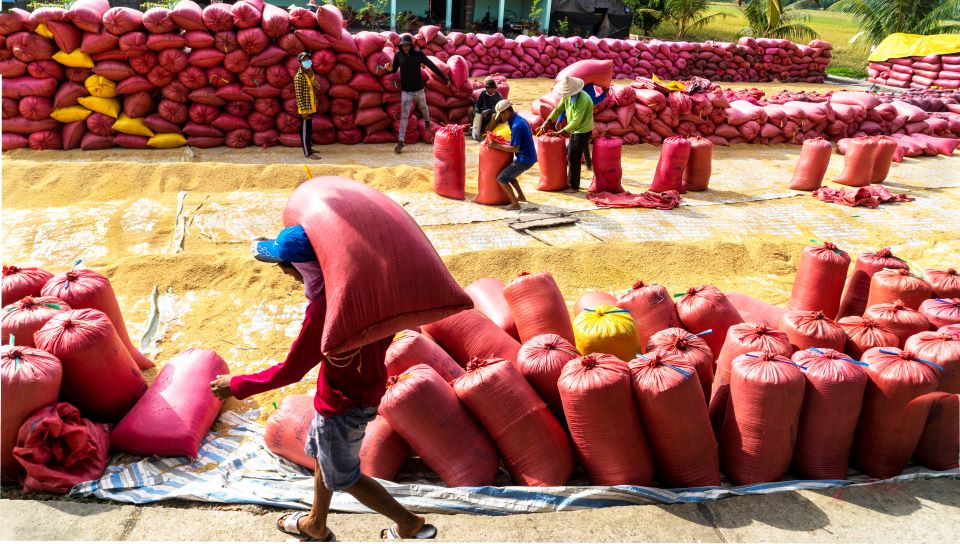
<point>234,466</point>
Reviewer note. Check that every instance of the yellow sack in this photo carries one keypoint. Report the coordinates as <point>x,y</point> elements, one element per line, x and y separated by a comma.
<point>100,87</point>
<point>503,130</point>
<point>167,141</point>
<point>106,106</point>
<point>70,114</point>
<point>44,31</point>
<point>899,45</point>
<point>77,59</point>
<point>606,329</point>
<point>673,85</point>
<point>127,125</point>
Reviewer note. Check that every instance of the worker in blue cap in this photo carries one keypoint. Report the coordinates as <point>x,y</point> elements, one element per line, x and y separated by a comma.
<point>348,394</point>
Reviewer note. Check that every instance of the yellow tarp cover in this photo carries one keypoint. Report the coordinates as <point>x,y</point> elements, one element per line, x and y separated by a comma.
<point>898,46</point>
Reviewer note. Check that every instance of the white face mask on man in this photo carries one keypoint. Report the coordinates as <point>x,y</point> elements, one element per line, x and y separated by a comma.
<point>307,64</point>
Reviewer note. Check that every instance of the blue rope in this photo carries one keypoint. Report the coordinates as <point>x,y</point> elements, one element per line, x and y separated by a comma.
<point>919,360</point>
<point>847,359</point>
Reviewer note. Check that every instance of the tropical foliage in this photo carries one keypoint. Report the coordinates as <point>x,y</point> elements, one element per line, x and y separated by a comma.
<point>880,18</point>
<point>688,15</point>
<point>770,19</point>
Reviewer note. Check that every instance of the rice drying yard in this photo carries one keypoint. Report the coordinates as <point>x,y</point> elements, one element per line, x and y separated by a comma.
<point>172,231</point>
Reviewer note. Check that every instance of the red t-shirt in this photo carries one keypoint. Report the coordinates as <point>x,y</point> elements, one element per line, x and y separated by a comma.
<point>347,380</point>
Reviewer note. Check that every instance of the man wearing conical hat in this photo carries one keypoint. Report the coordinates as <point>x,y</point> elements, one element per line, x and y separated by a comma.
<point>578,107</point>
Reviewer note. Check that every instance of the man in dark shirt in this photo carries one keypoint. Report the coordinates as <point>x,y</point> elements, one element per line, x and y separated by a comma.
<point>408,61</point>
<point>487,100</point>
<point>521,143</point>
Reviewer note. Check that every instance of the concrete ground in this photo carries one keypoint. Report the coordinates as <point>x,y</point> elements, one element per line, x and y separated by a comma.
<point>923,511</point>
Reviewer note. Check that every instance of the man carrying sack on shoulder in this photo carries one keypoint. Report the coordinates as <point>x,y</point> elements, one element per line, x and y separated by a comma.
<point>578,107</point>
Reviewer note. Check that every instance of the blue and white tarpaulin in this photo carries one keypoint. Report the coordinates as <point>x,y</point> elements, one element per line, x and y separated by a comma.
<point>234,466</point>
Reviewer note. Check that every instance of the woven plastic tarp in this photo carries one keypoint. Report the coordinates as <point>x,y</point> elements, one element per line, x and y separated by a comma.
<point>235,467</point>
<point>899,45</point>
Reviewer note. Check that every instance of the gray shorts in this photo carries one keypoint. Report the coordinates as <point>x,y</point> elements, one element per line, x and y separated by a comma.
<point>335,443</point>
<point>512,171</point>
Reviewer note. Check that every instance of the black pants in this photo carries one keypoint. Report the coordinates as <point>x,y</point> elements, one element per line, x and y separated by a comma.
<point>306,134</point>
<point>575,150</point>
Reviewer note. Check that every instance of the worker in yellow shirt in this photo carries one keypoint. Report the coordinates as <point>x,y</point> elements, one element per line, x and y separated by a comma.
<point>306,87</point>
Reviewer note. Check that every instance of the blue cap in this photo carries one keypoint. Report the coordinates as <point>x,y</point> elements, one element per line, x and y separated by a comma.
<point>290,246</point>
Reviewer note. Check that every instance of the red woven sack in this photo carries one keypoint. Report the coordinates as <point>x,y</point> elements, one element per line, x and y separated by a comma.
<point>941,311</point>
<point>20,282</point>
<point>330,19</point>
<point>14,141</point>
<point>886,151</point>
<point>607,169</point>
<point>541,360</point>
<point>945,283</point>
<point>424,410</point>
<point>239,138</point>
<point>696,175</point>
<point>537,306</point>
<point>665,388</point>
<point>832,399</point>
<point>188,15</point>
<point>674,156</point>
<point>596,72</point>
<point>532,443</point>
<point>858,162</point>
<point>366,298</point>
<point>858,284</point>
<point>158,21</point>
<point>812,165</point>
<point>29,47</point>
<point>99,376</point>
<point>303,18</point>
<point>864,334</point>
<point>492,162</point>
<point>26,316</point>
<point>592,299</point>
<point>160,125</point>
<point>487,296</point>
<point>812,330</point>
<point>59,449</point>
<point>705,308</point>
<point>690,347</point>
<point>383,451</point>
<point>898,319</point>
<point>889,285</point>
<point>159,42</point>
<point>753,310</point>
<point>217,17</point>
<point>760,429</point>
<point>30,380</point>
<point>410,348</point>
<point>175,413</point>
<point>122,20</point>
<point>88,289</point>
<point>72,134</point>
<point>939,445</point>
<point>245,14</point>
<point>892,418</point>
<point>113,70</point>
<point>287,428</point>
<point>253,40</point>
<point>88,14</point>
<point>741,338</point>
<point>199,39</point>
<point>93,141</point>
<point>603,421</point>
<point>46,139</point>
<point>942,349</point>
<point>275,21</point>
<point>820,277</point>
<point>552,154</point>
<point>450,163</point>
<point>471,334</point>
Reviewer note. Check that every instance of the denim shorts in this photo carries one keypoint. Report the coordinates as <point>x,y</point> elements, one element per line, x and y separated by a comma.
<point>512,171</point>
<point>335,443</point>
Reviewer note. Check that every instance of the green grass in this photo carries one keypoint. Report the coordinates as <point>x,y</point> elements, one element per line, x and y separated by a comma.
<point>836,28</point>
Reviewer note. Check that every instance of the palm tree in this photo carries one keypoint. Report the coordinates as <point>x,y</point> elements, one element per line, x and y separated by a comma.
<point>688,15</point>
<point>769,19</point>
<point>880,18</point>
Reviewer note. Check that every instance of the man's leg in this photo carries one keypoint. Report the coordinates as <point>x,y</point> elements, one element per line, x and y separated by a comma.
<point>574,152</point>
<point>406,100</point>
<point>372,495</point>
<point>421,98</point>
<point>520,195</point>
<point>504,178</point>
<point>586,155</point>
<point>315,523</point>
<point>306,134</point>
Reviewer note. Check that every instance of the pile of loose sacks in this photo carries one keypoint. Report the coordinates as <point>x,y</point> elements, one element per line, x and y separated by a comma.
<point>917,72</point>
<point>648,388</point>
<point>95,77</point>
<point>72,386</point>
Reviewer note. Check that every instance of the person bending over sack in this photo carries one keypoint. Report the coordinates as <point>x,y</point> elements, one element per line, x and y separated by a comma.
<point>578,107</point>
<point>485,102</point>
<point>349,388</point>
<point>591,91</point>
<point>407,61</point>
<point>523,148</point>
<point>307,89</point>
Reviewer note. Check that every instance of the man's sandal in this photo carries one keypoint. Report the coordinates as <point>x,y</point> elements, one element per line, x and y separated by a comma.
<point>289,523</point>
<point>426,532</point>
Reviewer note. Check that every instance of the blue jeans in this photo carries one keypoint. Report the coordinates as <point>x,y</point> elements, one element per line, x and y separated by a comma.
<point>335,443</point>
<point>513,171</point>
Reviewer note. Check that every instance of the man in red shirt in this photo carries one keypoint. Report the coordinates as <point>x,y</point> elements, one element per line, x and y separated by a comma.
<point>349,389</point>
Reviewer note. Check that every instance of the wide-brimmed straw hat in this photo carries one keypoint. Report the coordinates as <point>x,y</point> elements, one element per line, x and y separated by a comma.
<point>568,86</point>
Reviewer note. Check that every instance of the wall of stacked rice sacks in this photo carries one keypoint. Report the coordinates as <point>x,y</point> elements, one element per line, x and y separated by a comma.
<point>94,77</point>
<point>917,72</point>
<point>647,112</point>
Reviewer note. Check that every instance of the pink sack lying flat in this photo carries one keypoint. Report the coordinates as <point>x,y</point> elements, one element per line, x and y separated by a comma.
<point>176,411</point>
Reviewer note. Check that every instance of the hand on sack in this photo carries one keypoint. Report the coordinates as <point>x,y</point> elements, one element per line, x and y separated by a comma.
<point>221,387</point>
<point>555,134</point>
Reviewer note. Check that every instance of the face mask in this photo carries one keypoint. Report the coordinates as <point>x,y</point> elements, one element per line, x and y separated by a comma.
<point>308,64</point>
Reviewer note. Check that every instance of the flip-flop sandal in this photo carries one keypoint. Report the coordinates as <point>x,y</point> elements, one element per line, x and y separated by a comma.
<point>291,526</point>
<point>426,532</point>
